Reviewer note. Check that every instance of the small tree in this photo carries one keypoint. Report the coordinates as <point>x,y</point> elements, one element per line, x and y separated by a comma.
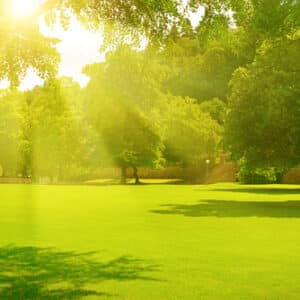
<point>132,141</point>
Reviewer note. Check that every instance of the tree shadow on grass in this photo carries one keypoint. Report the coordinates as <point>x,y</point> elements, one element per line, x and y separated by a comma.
<point>266,191</point>
<point>228,209</point>
<point>131,182</point>
<point>31,273</point>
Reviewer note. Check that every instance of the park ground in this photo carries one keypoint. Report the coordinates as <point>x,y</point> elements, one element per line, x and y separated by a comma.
<point>168,242</point>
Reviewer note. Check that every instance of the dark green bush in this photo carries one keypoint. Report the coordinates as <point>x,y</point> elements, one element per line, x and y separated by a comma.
<point>252,175</point>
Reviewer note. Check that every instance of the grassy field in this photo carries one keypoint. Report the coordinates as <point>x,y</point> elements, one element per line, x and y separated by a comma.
<point>221,241</point>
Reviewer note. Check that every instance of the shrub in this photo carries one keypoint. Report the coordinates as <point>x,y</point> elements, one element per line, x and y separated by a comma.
<point>292,176</point>
<point>254,175</point>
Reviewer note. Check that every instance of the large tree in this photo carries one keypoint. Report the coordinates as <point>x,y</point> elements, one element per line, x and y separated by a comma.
<point>51,136</point>
<point>263,124</point>
<point>120,99</point>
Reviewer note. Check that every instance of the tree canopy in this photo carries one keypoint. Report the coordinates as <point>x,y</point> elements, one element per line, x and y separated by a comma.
<point>230,84</point>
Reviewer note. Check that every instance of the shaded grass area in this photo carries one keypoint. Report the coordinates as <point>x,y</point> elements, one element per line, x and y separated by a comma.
<point>131,181</point>
<point>258,190</point>
<point>223,209</point>
<point>222,241</point>
<point>45,273</point>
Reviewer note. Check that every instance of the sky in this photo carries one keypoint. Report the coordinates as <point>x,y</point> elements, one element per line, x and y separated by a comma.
<point>77,47</point>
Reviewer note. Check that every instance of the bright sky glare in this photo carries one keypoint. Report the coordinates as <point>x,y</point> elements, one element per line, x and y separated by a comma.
<point>78,46</point>
<point>22,8</point>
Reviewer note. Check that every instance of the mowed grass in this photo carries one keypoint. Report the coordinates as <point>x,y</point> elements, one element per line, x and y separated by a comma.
<point>222,241</point>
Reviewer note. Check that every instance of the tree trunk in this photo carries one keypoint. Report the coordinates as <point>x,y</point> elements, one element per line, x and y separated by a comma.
<point>3,172</point>
<point>136,176</point>
<point>123,175</point>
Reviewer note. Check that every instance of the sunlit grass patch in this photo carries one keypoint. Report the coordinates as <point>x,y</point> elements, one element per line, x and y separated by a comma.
<point>154,241</point>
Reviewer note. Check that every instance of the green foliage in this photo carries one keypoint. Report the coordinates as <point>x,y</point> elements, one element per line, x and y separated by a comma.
<point>216,108</point>
<point>121,91</point>
<point>49,129</point>
<point>132,141</point>
<point>129,89</point>
<point>23,46</point>
<point>250,175</point>
<point>10,133</point>
<point>264,117</point>
<point>196,71</point>
<point>214,28</point>
<point>190,135</point>
<point>120,19</point>
<point>166,104</point>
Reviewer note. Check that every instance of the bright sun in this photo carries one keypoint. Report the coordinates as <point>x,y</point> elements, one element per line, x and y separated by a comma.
<point>23,8</point>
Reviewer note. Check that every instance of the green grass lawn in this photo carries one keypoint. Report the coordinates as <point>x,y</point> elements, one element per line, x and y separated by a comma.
<point>221,241</point>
